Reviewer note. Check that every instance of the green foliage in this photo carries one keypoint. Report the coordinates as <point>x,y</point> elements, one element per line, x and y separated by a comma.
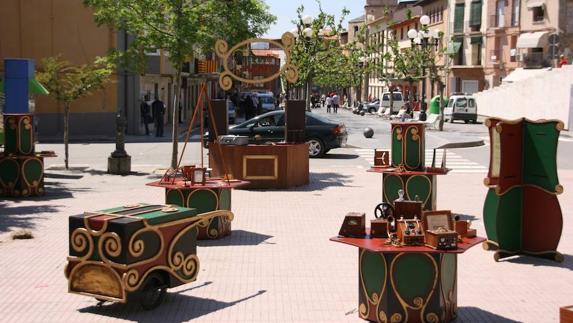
<point>321,59</point>
<point>181,27</point>
<point>67,82</point>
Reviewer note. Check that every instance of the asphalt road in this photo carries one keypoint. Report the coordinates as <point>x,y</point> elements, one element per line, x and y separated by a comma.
<point>456,132</point>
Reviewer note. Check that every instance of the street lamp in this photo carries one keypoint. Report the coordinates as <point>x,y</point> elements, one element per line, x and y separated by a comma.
<point>425,39</point>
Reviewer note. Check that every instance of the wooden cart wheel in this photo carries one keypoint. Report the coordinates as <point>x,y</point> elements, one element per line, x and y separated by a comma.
<point>153,292</point>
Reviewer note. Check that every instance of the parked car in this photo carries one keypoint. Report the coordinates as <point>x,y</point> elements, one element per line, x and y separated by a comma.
<point>231,111</point>
<point>321,134</point>
<point>397,104</point>
<point>461,107</point>
<point>373,106</point>
<point>267,102</point>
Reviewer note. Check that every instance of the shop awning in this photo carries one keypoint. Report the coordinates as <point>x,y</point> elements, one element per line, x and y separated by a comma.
<point>476,40</point>
<point>453,48</point>
<point>532,40</point>
<point>535,3</point>
<point>34,87</point>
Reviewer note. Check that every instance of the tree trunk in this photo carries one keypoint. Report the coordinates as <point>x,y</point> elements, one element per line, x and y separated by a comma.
<point>391,99</point>
<point>176,97</point>
<point>441,86</point>
<point>66,132</point>
<point>308,95</point>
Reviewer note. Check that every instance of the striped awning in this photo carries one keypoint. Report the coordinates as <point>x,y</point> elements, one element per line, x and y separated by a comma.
<point>532,39</point>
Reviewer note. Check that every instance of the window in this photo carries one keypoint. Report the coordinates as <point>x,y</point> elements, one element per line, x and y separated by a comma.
<point>461,103</point>
<point>538,13</point>
<point>500,13</point>
<point>459,18</point>
<point>471,103</point>
<point>475,14</point>
<point>515,13</point>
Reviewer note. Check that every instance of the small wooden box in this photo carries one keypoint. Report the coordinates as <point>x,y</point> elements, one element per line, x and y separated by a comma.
<point>354,225</point>
<point>381,157</point>
<point>410,232</point>
<point>408,209</point>
<point>462,227</point>
<point>442,239</point>
<point>379,228</point>
<point>566,314</point>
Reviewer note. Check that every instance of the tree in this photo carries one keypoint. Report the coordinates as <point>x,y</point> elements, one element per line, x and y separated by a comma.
<point>67,83</point>
<point>316,46</point>
<point>182,28</point>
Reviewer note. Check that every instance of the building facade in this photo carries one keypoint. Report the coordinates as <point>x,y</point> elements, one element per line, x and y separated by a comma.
<point>42,28</point>
<point>466,31</point>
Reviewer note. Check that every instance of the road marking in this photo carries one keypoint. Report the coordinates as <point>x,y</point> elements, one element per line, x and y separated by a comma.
<point>455,162</point>
<point>561,138</point>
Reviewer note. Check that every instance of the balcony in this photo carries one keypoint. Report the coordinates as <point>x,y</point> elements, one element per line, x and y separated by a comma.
<point>535,60</point>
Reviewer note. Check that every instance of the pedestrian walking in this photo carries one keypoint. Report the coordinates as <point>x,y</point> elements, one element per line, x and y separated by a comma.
<point>158,111</point>
<point>328,103</point>
<point>335,102</point>
<point>322,100</point>
<point>145,111</point>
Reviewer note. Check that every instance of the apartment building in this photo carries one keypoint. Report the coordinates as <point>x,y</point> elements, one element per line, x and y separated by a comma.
<point>502,32</point>
<point>466,31</point>
<point>37,29</point>
<point>546,32</point>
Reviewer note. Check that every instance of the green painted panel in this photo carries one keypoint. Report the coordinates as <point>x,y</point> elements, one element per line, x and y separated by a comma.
<point>413,275</point>
<point>448,272</point>
<point>490,214</point>
<point>397,147</point>
<point>26,136</point>
<point>421,186</point>
<point>413,149</point>
<point>225,200</point>
<point>373,273</point>
<point>203,200</point>
<point>9,171</point>
<point>174,197</point>
<point>155,217</point>
<point>11,135</point>
<point>539,155</point>
<point>33,171</point>
<point>509,222</point>
<point>392,183</point>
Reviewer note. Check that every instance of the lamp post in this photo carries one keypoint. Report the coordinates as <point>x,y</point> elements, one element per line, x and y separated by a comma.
<point>305,32</point>
<point>425,39</point>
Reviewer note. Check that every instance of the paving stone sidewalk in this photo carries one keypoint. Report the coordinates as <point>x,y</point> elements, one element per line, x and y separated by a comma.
<point>277,266</point>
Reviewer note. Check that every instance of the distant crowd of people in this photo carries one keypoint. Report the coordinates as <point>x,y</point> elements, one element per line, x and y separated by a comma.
<point>152,112</point>
<point>329,100</point>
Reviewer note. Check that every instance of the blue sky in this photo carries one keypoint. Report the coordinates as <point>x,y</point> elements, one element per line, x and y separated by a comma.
<point>285,10</point>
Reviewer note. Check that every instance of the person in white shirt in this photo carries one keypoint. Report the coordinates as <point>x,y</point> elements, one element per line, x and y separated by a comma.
<point>335,102</point>
<point>328,103</point>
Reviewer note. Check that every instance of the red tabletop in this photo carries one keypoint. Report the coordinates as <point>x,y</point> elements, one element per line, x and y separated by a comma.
<point>213,183</point>
<point>379,245</point>
<point>397,171</point>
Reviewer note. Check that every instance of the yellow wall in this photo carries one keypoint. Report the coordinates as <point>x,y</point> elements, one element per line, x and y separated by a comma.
<point>41,28</point>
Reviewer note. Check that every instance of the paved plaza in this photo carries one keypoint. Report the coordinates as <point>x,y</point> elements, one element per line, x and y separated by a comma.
<point>278,265</point>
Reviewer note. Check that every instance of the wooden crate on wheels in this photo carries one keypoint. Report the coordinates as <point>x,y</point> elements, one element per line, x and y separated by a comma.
<point>134,252</point>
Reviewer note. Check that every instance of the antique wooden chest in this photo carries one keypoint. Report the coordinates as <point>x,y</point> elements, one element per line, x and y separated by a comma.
<point>121,251</point>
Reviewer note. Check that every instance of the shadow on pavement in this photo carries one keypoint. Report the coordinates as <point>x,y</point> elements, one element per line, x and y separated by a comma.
<point>466,217</point>
<point>340,156</point>
<point>537,262</point>
<point>100,172</point>
<point>175,308</point>
<point>474,314</point>
<point>237,238</point>
<point>317,182</point>
<point>23,217</point>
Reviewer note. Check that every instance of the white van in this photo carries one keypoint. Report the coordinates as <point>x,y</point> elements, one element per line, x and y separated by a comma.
<point>385,103</point>
<point>461,107</point>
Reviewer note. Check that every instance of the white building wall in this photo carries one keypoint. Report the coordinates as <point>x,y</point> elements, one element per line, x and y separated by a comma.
<point>548,96</point>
